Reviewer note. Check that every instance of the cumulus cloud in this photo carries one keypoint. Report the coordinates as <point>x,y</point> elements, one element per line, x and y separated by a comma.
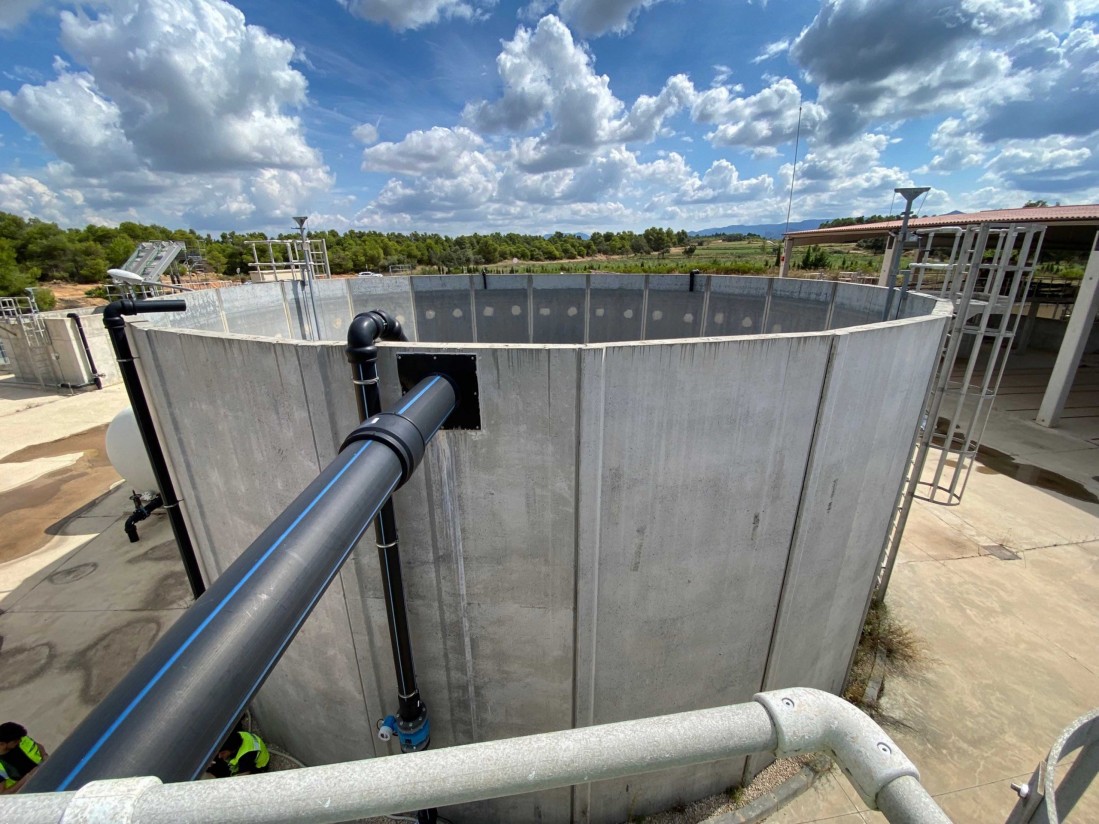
<point>1059,89</point>
<point>403,15</point>
<point>439,151</point>
<point>592,18</point>
<point>767,118</point>
<point>893,60</point>
<point>1051,165</point>
<point>868,40</point>
<point>14,12</point>
<point>25,195</point>
<point>956,147</point>
<point>366,133</point>
<point>174,93</point>
<point>74,121</point>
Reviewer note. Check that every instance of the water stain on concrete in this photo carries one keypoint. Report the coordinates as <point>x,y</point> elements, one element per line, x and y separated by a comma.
<point>170,590</point>
<point>111,656</point>
<point>993,461</point>
<point>166,551</point>
<point>70,574</point>
<point>29,512</point>
<point>21,665</point>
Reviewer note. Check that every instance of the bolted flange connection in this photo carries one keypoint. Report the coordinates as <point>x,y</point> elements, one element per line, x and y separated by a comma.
<point>808,720</point>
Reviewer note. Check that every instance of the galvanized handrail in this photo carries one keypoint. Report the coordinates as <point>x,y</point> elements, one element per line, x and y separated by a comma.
<point>783,722</point>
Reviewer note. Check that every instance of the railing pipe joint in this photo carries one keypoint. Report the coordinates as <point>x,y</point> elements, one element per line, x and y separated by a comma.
<point>808,720</point>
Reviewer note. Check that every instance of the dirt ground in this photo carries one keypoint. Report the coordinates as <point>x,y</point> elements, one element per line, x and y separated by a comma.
<point>32,513</point>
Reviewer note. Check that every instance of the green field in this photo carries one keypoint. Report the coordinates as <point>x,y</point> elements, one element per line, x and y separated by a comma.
<point>749,257</point>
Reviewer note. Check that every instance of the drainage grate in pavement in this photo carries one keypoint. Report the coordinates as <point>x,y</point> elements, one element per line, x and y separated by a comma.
<point>1000,551</point>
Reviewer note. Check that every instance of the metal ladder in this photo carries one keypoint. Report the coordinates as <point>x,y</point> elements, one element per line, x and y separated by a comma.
<point>22,313</point>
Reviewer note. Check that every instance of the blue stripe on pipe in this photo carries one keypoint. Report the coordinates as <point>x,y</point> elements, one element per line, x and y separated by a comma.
<point>401,411</point>
<point>190,639</point>
<point>313,604</point>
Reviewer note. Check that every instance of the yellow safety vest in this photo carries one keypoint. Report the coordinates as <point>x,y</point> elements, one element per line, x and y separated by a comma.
<point>30,749</point>
<point>250,743</point>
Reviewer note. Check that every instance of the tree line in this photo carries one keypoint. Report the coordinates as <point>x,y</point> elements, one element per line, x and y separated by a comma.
<point>33,250</point>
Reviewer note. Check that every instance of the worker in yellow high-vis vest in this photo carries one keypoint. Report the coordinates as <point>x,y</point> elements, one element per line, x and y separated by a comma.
<point>19,755</point>
<point>243,753</point>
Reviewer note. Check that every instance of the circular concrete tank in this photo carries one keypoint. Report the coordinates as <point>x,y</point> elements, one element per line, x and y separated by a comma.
<point>677,497</point>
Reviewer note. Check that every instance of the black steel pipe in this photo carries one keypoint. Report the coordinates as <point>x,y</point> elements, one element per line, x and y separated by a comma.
<point>113,319</point>
<point>96,377</point>
<point>171,711</point>
<point>362,354</point>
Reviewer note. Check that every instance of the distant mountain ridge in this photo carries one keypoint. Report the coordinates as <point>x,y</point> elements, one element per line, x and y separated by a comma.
<point>773,230</point>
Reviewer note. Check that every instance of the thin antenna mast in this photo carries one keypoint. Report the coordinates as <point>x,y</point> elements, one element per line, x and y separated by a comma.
<point>793,175</point>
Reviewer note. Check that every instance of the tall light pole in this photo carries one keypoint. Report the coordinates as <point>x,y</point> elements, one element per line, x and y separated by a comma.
<point>307,275</point>
<point>909,194</point>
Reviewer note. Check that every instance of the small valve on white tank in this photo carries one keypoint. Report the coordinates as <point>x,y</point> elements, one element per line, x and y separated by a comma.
<point>386,727</point>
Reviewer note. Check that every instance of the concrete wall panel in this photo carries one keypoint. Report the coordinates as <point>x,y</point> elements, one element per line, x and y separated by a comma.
<point>391,293</point>
<point>333,308</point>
<point>559,305</point>
<point>255,310</point>
<point>615,315</point>
<point>798,305</point>
<point>681,552</point>
<point>503,311</point>
<point>444,307</point>
<point>870,409</point>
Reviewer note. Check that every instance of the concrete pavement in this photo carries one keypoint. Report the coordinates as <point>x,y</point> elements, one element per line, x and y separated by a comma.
<point>1013,650</point>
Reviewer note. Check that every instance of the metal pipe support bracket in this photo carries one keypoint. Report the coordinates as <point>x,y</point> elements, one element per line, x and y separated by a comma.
<point>808,721</point>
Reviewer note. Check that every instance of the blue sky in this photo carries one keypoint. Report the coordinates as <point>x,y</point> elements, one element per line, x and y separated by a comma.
<point>455,116</point>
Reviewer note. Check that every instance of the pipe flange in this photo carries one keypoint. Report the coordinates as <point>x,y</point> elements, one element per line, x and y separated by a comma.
<point>111,800</point>
<point>808,720</point>
<point>396,432</point>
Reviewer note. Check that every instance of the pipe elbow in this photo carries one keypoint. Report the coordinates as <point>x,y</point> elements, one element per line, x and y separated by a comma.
<point>113,312</point>
<point>365,329</point>
<point>808,720</point>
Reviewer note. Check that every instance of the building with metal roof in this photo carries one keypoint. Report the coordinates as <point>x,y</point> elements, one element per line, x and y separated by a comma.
<point>1068,229</point>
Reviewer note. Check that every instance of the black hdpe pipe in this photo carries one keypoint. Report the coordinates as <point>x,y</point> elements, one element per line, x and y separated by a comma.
<point>116,328</point>
<point>96,377</point>
<point>412,725</point>
<point>174,708</point>
<point>140,513</point>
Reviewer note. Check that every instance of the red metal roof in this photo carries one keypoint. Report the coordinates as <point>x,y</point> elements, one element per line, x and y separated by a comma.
<point>1086,213</point>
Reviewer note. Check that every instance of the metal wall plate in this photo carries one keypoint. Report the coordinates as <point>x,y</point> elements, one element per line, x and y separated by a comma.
<point>413,367</point>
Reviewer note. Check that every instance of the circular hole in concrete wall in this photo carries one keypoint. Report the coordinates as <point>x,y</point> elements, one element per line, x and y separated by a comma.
<point>489,312</point>
<point>544,311</point>
<point>657,314</point>
<point>599,312</point>
<point>746,323</point>
<point>572,312</point>
<point>516,310</point>
<point>628,314</point>
<point>688,318</point>
<point>719,318</point>
<point>430,314</point>
<point>457,313</point>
